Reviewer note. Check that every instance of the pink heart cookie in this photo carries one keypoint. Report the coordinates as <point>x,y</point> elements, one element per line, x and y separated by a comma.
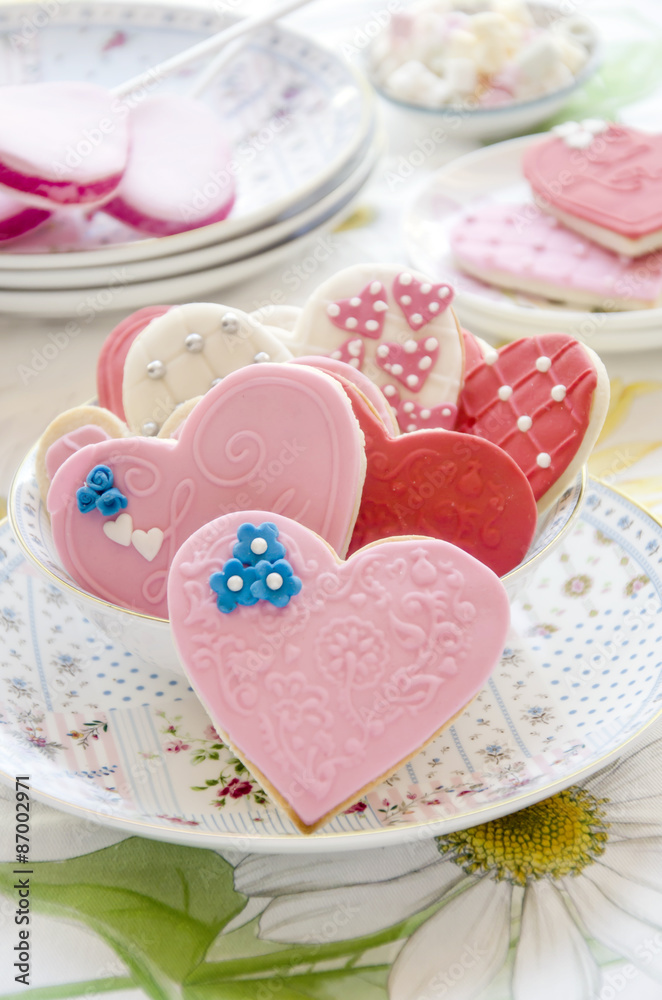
<point>438,381</point>
<point>363,663</point>
<point>421,301</point>
<point>543,400</point>
<point>280,434</point>
<point>349,373</point>
<point>61,141</point>
<point>519,247</point>
<point>604,181</point>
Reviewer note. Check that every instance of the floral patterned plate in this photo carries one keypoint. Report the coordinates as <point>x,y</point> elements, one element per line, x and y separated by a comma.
<point>130,746</point>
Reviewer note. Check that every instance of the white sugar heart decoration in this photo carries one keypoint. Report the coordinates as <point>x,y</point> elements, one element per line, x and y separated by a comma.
<point>147,543</point>
<point>119,530</point>
<point>360,686</point>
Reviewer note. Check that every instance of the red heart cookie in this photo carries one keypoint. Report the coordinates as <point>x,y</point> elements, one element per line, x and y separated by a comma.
<point>445,485</point>
<point>281,434</point>
<point>330,689</point>
<point>362,313</point>
<point>542,400</point>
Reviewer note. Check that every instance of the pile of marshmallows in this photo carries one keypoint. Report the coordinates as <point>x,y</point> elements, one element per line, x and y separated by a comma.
<point>442,53</point>
<point>67,146</point>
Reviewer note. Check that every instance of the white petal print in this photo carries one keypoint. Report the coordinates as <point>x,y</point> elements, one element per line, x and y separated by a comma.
<point>639,860</point>
<point>549,930</point>
<point>352,911</point>
<point>634,814</point>
<point>632,777</point>
<point>612,926</point>
<point>459,950</point>
<point>639,900</point>
<point>275,875</point>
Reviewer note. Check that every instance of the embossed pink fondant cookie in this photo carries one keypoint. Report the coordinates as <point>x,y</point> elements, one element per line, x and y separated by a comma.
<point>543,400</point>
<point>518,247</point>
<point>325,676</point>
<point>397,327</point>
<point>602,180</point>
<point>278,434</point>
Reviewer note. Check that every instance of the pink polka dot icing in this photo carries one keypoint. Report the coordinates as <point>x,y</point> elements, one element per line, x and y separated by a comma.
<point>364,664</point>
<point>281,434</point>
<point>516,246</point>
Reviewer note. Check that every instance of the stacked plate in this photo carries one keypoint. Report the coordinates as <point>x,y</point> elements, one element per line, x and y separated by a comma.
<point>301,122</point>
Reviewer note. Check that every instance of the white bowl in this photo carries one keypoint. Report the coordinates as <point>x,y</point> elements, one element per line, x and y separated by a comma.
<point>410,122</point>
<point>149,638</point>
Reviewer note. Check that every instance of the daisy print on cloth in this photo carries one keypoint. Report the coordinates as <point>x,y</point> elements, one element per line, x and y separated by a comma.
<point>397,327</point>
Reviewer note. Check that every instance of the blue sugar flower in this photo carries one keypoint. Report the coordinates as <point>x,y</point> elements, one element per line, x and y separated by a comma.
<point>233,585</point>
<point>111,502</point>
<point>100,478</point>
<point>86,499</point>
<point>275,582</point>
<point>257,544</point>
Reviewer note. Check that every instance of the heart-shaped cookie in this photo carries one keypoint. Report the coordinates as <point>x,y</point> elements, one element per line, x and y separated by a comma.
<point>604,181</point>
<point>327,691</point>
<point>447,485</point>
<point>543,400</point>
<point>62,142</point>
<point>110,365</point>
<point>519,247</point>
<point>406,328</point>
<point>280,434</point>
<point>183,353</point>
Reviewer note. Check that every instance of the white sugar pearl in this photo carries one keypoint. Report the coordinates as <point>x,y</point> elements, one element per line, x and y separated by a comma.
<point>405,278</point>
<point>412,427</point>
<point>408,407</point>
<point>235,584</point>
<point>396,369</point>
<point>425,363</point>
<point>444,292</point>
<point>558,393</point>
<point>333,309</point>
<point>389,390</point>
<point>380,306</point>
<point>416,318</point>
<point>430,344</point>
<point>412,381</point>
<point>505,392</point>
<point>351,323</point>
<point>382,351</point>
<point>445,412</point>
<point>426,289</point>
<point>356,301</point>
<point>354,362</point>
<point>544,460</point>
<point>491,357</point>
<point>259,546</point>
<point>375,288</point>
<point>372,324</point>
<point>524,423</point>
<point>543,364</point>
<point>405,300</point>
<point>425,414</point>
<point>354,348</point>
<point>434,307</point>
<point>274,581</point>
<point>410,346</point>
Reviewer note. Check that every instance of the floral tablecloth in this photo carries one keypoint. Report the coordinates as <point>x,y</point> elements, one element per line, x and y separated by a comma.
<point>563,899</point>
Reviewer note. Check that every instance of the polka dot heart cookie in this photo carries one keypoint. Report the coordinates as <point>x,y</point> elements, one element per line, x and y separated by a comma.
<point>397,327</point>
<point>543,400</point>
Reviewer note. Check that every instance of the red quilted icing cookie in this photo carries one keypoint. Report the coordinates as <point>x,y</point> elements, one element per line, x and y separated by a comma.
<point>543,400</point>
<point>604,181</point>
<point>445,485</point>
<point>110,366</point>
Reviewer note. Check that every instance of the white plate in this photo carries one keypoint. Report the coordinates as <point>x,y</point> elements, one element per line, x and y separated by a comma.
<point>581,677</point>
<point>494,174</point>
<point>280,76</point>
<point>121,295</point>
<point>203,258</point>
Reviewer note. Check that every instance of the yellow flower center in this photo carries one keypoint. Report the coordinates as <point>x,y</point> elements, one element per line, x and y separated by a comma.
<point>556,837</point>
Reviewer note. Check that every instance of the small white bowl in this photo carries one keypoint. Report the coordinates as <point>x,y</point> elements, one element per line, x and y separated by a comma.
<point>409,122</point>
<point>149,638</point>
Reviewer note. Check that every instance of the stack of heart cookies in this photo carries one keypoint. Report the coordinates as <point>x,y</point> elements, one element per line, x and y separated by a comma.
<point>322,510</point>
<point>592,235</point>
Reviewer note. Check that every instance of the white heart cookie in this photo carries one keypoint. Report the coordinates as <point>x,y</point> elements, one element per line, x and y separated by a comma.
<point>120,530</point>
<point>147,543</point>
<point>182,353</point>
<point>390,308</point>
